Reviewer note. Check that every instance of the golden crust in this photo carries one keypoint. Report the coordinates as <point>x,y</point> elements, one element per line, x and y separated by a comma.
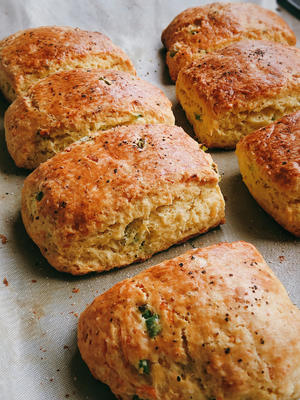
<point>69,105</point>
<point>204,29</point>
<point>269,161</point>
<point>228,330</point>
<point>32,54</point>
<point>239,89</point>
<point>120,197</point>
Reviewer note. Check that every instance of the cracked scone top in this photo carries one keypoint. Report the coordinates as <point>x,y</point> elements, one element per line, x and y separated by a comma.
<point>69,105</point>
<point>30,55</point>
<point>121,196</point>
<point>203,29</point>
<point>213,323</point>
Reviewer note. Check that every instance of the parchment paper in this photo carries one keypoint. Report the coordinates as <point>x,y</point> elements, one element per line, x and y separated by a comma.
<point>39,306</point>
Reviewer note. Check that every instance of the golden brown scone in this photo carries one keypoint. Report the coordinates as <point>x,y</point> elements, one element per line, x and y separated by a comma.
<point>234,91</point>
<point>32,54</point>
<point>120,197</point>
<point>214,323</point>
<point>69,105</point>
<point>200,30</point>
<point>269,161</point>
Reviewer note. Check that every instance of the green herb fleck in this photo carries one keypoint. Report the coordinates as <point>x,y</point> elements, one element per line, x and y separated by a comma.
<point>153,325</point>
<point>141,143</point>
<point>144,367</point>
<point>173,53</point>
<point>137,116</point>
<point>203,147</point>
<point>104,80</point>
<point>198,117</point>
<point>151,320</point>
<point>146,313</point>
<point>39,196</point>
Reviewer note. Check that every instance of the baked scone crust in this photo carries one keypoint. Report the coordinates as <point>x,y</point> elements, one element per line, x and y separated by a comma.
<point>200,30</point>
<point>69,105</point>
<point>269,161</point>
<point>227,330</point>
<point>234,91</point>
<point>120,197</point>
<point>32,54</point>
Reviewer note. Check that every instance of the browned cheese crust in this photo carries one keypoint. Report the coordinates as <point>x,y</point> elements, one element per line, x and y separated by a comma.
<point>233,91</point>
<point>200,30</point>
<point>269,161</point>
<point>69,105</point>
<point>121,196</point>
<point>213,323</point>
<point>32,54</point>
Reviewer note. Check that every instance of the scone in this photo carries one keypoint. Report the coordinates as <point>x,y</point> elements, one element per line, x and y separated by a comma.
<point>32,54</point>
<point>214,323</point>
<point>269,161</point>
<point>234,91</point>
<point>69,105</point>
<point>120,197</point>
<point>203,29</point>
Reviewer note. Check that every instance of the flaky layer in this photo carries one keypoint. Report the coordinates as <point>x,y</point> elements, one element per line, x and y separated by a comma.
<point>269,161</point>
<point>67,106</point>
<point>200,30</point>
<point>121,196</point>
<point>234,91</point>
<point>32,54</point>
<point>214,323</point>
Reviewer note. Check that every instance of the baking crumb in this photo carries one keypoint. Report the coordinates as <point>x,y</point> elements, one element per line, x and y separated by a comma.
<point>67,395</point>
<point>75,290</point>
<point>281,259</point>
<point>66,347</point>
<point>33,280</point>
<point>3,238</point>
<point>5,282</point>
<point>51,379</point>
<point>76,315</point>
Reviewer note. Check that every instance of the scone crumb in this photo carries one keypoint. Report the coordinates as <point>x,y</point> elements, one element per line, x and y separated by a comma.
<point>3,238</point>
<point>5,282</point>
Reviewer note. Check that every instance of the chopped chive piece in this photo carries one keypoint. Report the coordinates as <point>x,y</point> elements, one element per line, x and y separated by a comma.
<point>151,320</point>
<point>104,80</point>
<point>153,325</point>
<point>198,117</point>
<point>146,313</point>
<point>141,143</point>
<point>39,196</point>
<point>173,53</point>
<point>203,147</point>
<point>144,366</point>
